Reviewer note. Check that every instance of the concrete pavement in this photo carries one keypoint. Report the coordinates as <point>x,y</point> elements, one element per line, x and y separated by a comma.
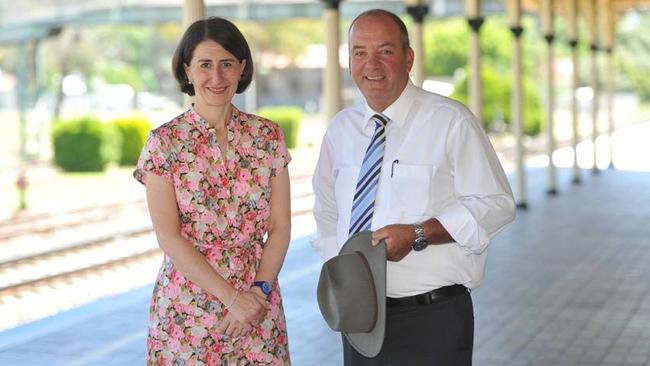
<point>566,285</point>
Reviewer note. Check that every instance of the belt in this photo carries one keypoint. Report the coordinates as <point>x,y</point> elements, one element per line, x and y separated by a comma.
<point>428,297</point>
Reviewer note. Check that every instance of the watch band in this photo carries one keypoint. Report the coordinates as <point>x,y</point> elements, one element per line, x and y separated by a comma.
<point>421,241</point>
<point>264,286</point>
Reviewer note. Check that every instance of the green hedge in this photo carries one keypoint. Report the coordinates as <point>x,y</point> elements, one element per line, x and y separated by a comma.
<point>638,75</point>
<point>497,90</point>
<point>133,131</point>
<point>288,118</point>
<point>84,144</point>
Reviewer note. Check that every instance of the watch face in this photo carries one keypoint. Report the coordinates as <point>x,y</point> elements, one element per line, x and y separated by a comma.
<point>264,286</point>
<point>420,245</point>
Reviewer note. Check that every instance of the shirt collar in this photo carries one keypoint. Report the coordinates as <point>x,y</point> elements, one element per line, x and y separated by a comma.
<point>204,126</point>
<point>398,111</point>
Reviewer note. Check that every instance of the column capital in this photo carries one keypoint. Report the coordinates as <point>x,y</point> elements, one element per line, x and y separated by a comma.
<point>549,38</point>
<point>475,23</point>
<point>331,4</point>
<point>517,30</point>
<point>418,12</point>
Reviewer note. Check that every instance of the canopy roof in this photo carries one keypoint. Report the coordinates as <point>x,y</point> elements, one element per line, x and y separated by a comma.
<point>25,20</point>
<point>616,5</point>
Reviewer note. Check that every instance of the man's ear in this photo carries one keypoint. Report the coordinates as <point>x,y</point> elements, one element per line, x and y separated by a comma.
<point>410,57</point>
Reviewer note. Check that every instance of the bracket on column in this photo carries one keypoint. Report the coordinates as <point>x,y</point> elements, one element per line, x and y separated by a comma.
<point>517,30</point>
<point>475,23</point>
<point>418,12</point>
<point>331,4</point>
<point>549,38</point>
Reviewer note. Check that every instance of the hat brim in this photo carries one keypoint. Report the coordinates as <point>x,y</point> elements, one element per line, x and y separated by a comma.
<point>369,343</point>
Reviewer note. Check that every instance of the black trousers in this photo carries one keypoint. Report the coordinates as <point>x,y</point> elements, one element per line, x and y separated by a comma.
<point>439,334</point>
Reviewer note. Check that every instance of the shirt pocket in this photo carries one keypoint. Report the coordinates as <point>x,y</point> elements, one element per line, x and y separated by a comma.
<point>410,189</point>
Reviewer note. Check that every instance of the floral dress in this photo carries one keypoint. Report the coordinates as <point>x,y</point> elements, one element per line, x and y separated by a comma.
<point>223,203</point>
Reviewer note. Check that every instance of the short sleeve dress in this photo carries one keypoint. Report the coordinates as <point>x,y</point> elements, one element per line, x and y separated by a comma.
<point>223,203</point>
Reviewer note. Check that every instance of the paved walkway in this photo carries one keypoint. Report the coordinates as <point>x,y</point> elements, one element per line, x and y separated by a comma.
<point>567,284</point>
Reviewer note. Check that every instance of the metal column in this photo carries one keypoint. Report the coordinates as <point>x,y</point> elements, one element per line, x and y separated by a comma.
<point>332,72</point>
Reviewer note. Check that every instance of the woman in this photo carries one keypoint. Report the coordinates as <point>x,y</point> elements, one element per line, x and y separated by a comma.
<point>217,185</point>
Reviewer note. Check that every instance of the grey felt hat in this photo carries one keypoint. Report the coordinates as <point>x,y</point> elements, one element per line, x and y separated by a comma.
<point>352,293</point>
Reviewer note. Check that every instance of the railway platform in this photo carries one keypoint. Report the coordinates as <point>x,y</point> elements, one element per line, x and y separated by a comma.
<point>566,285</point>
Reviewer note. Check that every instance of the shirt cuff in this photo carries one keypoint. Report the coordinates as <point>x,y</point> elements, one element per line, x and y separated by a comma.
<point>326,247</point>
<point>465,230</point>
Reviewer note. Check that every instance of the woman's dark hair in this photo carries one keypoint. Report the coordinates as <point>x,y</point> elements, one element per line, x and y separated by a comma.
<point>224,33</point>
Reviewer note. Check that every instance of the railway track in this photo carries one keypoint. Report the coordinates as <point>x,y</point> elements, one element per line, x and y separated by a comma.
<point>51,264</point>
<point>66,276</point>
<point>46,223</point>
<point>48,268</point>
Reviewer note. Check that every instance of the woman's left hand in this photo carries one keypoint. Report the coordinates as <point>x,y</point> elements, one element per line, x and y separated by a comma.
<point>247,311</point>
<point>232,327</point>
<point>248,308</point>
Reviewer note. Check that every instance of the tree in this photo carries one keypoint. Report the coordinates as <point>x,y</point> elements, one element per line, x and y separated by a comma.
<point>497,91</point>
<point>633,52</point>
<point>446,46</point>
<point>289,37</point>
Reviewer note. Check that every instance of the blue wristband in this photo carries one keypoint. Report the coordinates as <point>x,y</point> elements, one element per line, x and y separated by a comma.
<point>264,286</point>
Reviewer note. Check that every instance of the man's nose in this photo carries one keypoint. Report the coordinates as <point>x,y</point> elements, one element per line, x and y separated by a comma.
<point>373,59</point>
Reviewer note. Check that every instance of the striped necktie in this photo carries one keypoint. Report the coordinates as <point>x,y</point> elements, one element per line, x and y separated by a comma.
<point>363,203</point>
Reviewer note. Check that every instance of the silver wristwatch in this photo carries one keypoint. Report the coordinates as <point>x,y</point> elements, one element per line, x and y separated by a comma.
<point>421,241</point>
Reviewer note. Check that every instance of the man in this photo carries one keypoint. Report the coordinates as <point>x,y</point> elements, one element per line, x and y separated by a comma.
<point>417,169</point>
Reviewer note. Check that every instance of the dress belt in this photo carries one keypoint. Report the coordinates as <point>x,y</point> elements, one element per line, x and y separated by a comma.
<point>428,297</point>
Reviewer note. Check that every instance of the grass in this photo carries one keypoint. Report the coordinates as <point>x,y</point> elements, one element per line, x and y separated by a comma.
<point>51,190</point>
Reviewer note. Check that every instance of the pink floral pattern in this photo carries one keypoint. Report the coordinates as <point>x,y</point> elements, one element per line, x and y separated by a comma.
<point>223,204</point>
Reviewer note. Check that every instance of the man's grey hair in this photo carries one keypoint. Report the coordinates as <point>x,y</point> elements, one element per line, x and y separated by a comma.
<point>403,32</point>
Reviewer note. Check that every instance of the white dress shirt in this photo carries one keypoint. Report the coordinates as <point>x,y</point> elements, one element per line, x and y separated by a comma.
<point>438,163</point>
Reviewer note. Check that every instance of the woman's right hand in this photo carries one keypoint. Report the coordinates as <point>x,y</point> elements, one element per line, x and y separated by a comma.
<point>248,308</point>
<point>246,311</point>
